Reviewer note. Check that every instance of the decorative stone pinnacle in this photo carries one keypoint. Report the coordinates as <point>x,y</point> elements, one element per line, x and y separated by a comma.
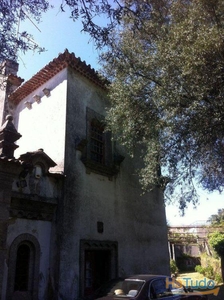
<point>8,136</point>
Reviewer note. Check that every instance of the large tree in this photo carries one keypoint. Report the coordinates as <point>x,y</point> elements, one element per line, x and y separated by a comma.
<point>12,12</point>
<point>166,65</point>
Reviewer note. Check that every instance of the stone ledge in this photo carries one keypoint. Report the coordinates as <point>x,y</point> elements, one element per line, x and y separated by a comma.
<point>26,208</point>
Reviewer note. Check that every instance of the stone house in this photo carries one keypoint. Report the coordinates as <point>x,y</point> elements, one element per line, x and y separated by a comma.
<point>72,215</point>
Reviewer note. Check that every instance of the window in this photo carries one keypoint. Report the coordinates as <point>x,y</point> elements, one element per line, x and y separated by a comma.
<point>97,142</point>
<point>165,287</point>
<point>24,260</point>
<point>158,289</point>
<point>98,153</point>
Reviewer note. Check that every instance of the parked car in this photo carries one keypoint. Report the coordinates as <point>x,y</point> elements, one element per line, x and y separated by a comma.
<point>146,287</point>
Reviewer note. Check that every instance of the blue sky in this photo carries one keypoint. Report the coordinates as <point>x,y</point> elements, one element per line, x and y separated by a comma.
<point>58,32</point>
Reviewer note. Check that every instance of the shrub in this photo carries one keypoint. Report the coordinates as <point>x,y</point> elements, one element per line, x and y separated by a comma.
<point>218,278</point>
<point>199,269</point>
<point>210,267</point>
<point>216,240</point>
<point>209,272</point>
<point>206,271</point>
<point>173,267</point>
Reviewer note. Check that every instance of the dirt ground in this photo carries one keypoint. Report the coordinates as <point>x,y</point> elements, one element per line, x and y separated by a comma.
<point>196,276</point>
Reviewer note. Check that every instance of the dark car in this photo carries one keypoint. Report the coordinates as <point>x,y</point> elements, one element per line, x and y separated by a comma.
<point>146,287</point>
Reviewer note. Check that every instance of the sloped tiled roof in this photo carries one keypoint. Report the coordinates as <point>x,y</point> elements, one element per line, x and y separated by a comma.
<point>64,60</point>
<point>28,156</point>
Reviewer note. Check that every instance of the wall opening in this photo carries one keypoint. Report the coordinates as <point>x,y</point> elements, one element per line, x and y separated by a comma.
<point>97,269</point>
<point>22,268</point>
<point>24,261</point>
<point>98,264</point>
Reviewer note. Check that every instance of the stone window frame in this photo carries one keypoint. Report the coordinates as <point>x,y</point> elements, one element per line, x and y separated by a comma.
<point>112,159</point>
<point>92,116</point>
<point>112,246</point>
<point>35,252</point>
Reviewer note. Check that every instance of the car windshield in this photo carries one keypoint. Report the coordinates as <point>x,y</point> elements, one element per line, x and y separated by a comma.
<point>121,288</point>
<point>129,288</point>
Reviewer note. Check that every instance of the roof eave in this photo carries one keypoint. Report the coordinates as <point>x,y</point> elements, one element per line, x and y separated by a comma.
<point>63,61</point>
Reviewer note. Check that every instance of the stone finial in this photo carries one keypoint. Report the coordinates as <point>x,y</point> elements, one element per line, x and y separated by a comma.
<point>8,136</point>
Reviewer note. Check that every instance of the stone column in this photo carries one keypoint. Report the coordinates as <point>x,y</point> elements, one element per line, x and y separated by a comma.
<point>170,255</point>
<point>173,250</point>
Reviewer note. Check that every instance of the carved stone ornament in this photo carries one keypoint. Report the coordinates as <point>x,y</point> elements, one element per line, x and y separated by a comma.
<point>8,136</point>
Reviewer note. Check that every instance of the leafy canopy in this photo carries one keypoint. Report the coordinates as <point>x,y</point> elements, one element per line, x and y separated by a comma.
<point>12,12</point>
<point>217,219</point>
<point>166,65</point>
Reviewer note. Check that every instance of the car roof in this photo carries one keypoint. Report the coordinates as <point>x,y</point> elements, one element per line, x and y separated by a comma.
<point>145,277</point>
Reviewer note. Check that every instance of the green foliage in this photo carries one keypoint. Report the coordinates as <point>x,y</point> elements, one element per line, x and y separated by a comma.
<point>210,266</point>
<point>207,260</point>
<point>199,269</point>
<point>166,66</point>
<point>186,263</point>
<point>216,241</point>
<point>206,271</point>
<point>173,267</point>
<point>218,278</point>
<point>217,219</point>
<point>180,237</point>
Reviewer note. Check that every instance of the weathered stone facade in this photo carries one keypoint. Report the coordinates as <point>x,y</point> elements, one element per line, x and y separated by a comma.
<point>75,208</point>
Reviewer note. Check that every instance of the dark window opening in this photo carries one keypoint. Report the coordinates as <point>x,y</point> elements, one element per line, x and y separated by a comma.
<point>100,226</point>
<point>97,142</point>
<point>22,268</point>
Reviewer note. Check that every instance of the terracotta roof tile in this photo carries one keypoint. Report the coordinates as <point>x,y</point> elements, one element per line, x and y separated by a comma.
<point>64,60</point>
